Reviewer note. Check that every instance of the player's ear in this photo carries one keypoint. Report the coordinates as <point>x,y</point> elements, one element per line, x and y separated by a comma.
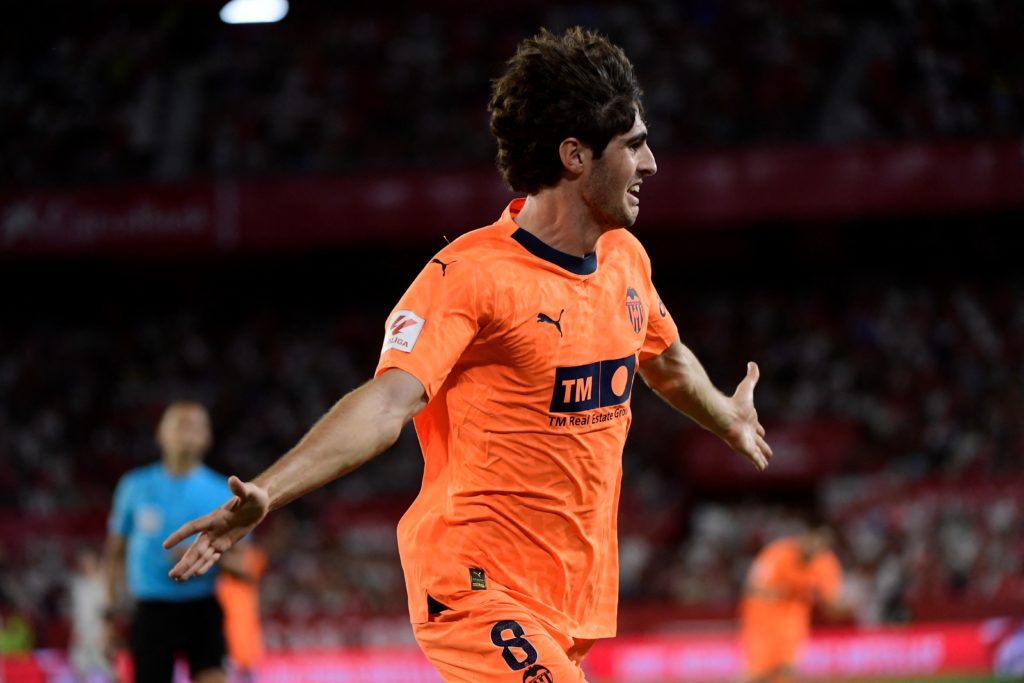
<point>573,154</point>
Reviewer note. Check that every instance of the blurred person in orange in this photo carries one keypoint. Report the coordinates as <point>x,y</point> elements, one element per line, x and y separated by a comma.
<point>514,351</point>
<point>787,580</point>
<point>238,593</point>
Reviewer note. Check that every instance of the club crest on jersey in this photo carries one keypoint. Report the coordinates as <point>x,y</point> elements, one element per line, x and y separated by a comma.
<point>403,329</point>
<point>594,385</point>
<point>635,309</point>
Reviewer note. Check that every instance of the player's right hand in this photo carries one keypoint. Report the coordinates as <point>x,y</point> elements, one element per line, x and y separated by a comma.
<point>219,530</point>
<point>746,434</point>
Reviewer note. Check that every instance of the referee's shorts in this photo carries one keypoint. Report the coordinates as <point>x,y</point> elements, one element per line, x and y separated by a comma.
<point>162,629</point>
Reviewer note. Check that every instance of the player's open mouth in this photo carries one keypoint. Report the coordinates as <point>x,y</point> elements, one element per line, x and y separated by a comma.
<point>633,191</point>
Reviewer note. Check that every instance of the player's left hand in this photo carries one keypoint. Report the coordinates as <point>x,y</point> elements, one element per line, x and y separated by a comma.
<point>745,434</point>
<point>219,530</point>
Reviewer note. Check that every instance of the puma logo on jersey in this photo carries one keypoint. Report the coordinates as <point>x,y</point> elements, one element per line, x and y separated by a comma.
<point>545,318</point>
<point>444,266</point>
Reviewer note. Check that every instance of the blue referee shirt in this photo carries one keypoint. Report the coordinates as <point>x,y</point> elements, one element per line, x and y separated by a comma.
<point>149,504</point>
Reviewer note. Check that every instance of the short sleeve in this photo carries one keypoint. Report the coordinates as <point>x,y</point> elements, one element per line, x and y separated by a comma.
<point>120,520</point>
<point>436,319</point>
<point>661,329</point>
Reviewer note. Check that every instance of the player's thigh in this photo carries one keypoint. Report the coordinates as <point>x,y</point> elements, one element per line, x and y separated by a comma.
<point>766,650</point>
<point>497,645</point>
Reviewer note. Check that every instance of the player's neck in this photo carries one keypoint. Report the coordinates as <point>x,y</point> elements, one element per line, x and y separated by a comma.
<point>556,219</point>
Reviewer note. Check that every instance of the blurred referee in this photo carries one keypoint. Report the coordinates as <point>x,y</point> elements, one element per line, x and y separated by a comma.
<point>169,617</point>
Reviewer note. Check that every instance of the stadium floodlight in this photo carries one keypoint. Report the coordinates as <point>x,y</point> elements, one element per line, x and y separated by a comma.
<point>254,11</point>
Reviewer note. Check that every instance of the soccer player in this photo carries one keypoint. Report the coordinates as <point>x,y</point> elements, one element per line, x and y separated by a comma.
<point>786,580</point>
<point>149,502</point>
<point>238,594</point>
<point>514,351</point>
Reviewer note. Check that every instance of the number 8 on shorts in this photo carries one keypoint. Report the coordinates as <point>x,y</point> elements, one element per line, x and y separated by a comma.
<point>516,641</point>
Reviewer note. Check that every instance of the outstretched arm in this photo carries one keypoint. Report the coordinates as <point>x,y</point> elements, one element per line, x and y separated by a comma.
<point>362,424</point>
<point>678,377</point>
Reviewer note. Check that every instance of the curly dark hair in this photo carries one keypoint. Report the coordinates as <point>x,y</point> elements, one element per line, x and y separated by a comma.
<point>577,85</point>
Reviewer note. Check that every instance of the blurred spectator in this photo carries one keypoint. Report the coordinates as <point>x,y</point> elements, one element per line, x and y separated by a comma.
<point>162,91</point>
<point>923,371</point>
<point>928,372</point>
<point>16,633</point>
<point>89,637</point>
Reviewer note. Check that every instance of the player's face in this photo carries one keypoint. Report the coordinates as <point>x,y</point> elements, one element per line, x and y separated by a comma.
<point>184,434</point>
<point>612,186</point>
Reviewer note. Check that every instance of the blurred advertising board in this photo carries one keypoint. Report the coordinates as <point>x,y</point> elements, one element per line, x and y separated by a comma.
<point>831,654</point>
<point>701,190</point>
<point>994,645</point>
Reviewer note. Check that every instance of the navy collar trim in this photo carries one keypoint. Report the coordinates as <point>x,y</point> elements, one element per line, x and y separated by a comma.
<point>578,265</point>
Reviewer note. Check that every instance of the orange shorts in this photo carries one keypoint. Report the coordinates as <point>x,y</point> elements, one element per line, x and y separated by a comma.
<point>769,647</point>
<point>490,637</point>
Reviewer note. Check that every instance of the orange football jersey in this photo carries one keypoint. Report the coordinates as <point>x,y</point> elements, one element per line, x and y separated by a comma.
<point>241,603</point>
<point>527,356</point>
<point>782,587</point>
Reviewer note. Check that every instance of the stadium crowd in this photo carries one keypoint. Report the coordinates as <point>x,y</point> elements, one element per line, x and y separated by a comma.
<point>163,91</point>
<point>925,372</point>
<point>928,374</point>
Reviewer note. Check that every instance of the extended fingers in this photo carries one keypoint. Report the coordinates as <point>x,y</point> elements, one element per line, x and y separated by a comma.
<point>187,565</point>
<point>202,562</point>
<point>753,374</point>
<point>757,460</point>
<point>208,522</point>
<point>745,389</point>
<point>756,450</point>
<point>201,556</point>
<point>186,530</point>
<point>208,561</point>
<point>237,487</point>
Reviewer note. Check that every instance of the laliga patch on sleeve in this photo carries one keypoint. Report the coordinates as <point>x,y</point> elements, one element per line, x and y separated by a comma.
<point>403,330</point>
